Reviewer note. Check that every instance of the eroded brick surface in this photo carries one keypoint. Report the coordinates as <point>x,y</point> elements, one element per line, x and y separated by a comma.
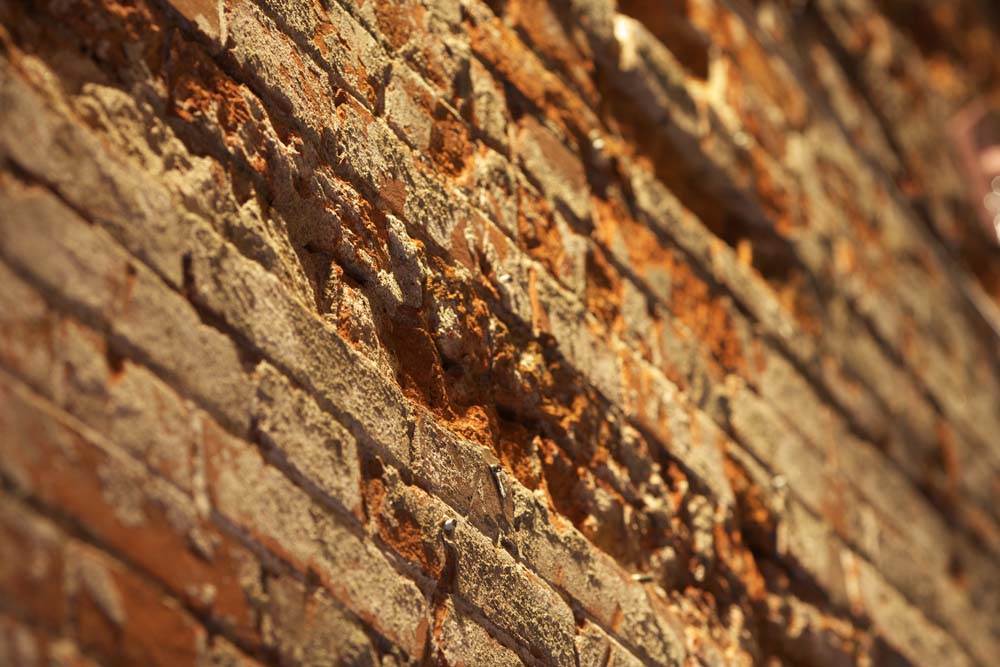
<point>496,333</point>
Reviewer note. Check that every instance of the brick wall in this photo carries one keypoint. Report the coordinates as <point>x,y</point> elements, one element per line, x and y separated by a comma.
<point>443,332</point>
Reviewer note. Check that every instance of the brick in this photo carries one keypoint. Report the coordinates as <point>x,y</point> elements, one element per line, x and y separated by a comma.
<point>22,643</point>
<point>202,91</point>
<point>512,597</point>
<point>854,583</point>
<point>480,573</point>
<point>567,559</point>
<point>833,496</point>
<point>206,15</point>
<point>830,640</point>
<point>307,627</point>
<point>111,288</point>
<point>496,186</point>
<point>26,327</point>
<point>343,45</point>
<point>126,402</point>
<point>108,495</point>
<point>18,644</point>
<point>562,556</point>
<point>474,567</point>
<point>304,85</point>
<point>220,653</point>
<point>453,469</point>
<point>139,212</point>
<point>493,42</point>
<point>460,640</point>
<point>647,71</point>
<point>284,330</point>
<point>33,560</point>
<point>280,516</point>
<point>125,621</point>
<point>596,649</point>
<point>553,165</point>
<point>302,435</point>
<point>406,520</point>
<point>569,330</point>
<point>489,107</point>
<point>409,106</point>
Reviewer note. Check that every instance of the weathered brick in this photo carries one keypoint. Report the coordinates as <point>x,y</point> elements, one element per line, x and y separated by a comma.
<point>566,559</point>
<point>854,583</point>
<point>460,640</point>
<point>306,627</point>
<point>24,643</point>
<point>206,15</point>
<point>562,556</point>
<point>137,210</point>
<point>409,108</point>
<point>453,469</point>
<point>281,517</point>
<point>596,649</point>
<point>124,620</point>
<point>18,643</point>
<point>305,437</point>
<point>489,107</point>
<point>110,497</point>
<point>111,288</point>
<point>341,42</point>
<point>552,164</point>
<point>512,597</point>
<point>26,328</point>
<point>32,562</point>
<point>220,653</point>
<point>309,348</point>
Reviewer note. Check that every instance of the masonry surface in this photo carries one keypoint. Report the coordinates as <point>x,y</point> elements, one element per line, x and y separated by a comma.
<point>443,332</point>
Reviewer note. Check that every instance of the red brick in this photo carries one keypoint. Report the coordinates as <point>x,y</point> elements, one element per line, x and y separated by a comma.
<point>110,497</point>
<point>126,621</point>
<point>32,562</point>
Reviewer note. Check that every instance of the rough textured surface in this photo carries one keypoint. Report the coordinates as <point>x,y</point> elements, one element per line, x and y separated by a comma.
<point>443,332</point>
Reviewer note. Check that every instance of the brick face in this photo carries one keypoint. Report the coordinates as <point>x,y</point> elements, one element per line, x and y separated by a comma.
<point>473,333</point>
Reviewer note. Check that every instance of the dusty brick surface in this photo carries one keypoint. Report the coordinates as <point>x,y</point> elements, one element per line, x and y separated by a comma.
<point>462,332</point>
